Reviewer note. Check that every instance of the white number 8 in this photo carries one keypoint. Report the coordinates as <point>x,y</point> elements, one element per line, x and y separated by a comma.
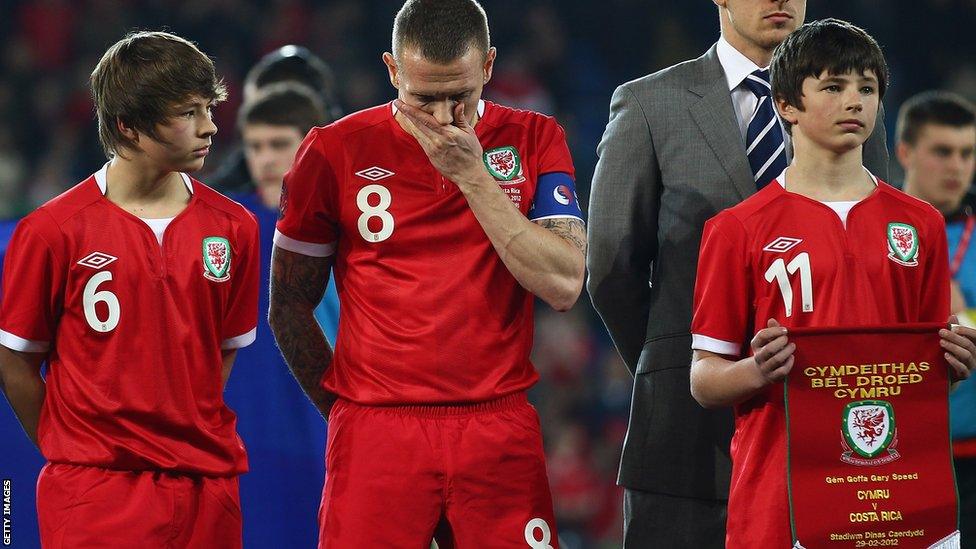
<point>531,527</point>
<point>90,297</point>
<point>380,211</point>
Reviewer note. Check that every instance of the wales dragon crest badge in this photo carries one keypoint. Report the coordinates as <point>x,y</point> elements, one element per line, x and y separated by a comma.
<point>903,244</point>
<point>216,258</point>
<point>503,163</point>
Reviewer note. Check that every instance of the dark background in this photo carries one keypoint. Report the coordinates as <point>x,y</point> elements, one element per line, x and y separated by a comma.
<point>562,58</point>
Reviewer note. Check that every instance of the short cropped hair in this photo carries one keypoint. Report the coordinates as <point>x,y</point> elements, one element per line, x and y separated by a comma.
<point>442,30</point>
<point>142,77</point>
<point>933,107</point>
<point>284,104</point>
<point>830,45</point>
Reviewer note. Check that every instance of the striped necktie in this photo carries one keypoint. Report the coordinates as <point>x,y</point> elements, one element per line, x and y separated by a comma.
<point>764,137</point>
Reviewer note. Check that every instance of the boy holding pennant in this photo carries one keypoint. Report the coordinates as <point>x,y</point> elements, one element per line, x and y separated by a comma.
<point>826,244</point>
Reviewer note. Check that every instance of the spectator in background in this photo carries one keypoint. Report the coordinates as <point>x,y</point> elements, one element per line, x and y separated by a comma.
<point>273,123</point>
<point>681,145</point>
<point>289,63</point>
<point>285,448</point>
<point>936,146</point>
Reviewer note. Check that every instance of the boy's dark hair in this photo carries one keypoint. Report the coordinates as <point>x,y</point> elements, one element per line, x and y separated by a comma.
<point>284,104</point>
<point>142,78</point>
<point>293,63</point>
<point>442,30</point>
<point>933,107</point>
<point>828,45</point>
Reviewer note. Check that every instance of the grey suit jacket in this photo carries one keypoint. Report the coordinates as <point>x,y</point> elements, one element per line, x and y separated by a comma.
<point>672,156</point>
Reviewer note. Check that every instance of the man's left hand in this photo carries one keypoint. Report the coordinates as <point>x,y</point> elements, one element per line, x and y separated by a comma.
<point>959,343</point>
<point>453,149</point>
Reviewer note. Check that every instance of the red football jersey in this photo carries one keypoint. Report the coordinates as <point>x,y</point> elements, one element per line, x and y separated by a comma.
<point>785,256</point>
<point>429,313</point>
<point>134,329</point>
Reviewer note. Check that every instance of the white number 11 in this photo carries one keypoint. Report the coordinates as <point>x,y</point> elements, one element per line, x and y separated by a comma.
<point>780,271</point>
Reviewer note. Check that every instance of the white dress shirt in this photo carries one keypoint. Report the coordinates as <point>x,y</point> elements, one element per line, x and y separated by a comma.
<point>737,67</point>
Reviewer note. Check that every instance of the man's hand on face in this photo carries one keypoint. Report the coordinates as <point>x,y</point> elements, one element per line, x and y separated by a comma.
<point>453,149</point>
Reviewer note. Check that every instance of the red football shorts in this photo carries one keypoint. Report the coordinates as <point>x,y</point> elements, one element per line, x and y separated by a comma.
<point>81,506</point>
<point>474,476</point>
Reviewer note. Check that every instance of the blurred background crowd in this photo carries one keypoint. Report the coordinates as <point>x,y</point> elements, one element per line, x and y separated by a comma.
<point>561,57</point>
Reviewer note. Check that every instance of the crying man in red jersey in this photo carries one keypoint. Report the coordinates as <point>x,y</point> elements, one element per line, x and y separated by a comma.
<point>442,216</point>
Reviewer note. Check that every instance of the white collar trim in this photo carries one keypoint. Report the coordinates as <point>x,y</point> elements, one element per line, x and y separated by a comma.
<point>481,108</point>
<point>782,177</point>
<point>100,179</point>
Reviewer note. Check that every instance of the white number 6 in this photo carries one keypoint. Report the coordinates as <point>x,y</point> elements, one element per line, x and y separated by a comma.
<point>380,211</point>
<point>90,297</point>
<point>531,527</point>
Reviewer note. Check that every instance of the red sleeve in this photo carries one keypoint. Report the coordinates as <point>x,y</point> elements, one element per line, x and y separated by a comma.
<point>309,212</point>
<point>554,154</point>
<point>934,304</point>
<point>33,285</point>
<point>241,316</point>
<point>723,289</point>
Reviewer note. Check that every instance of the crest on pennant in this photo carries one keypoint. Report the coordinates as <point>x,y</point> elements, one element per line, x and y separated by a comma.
<point>216,258</point>
<point>503,163</point>
<point>903,244</point>
<point>868,428</point>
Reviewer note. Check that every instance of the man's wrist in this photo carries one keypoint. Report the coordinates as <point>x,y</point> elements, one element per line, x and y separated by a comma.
<point>475,182</point>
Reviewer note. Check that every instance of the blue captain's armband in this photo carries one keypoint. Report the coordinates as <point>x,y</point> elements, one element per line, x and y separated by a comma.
<point>555,196</point>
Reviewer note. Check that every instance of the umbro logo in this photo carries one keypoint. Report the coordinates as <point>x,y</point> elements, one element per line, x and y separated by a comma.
<point>782,244</point>
<point>374,173</point>
<point>96,260</point>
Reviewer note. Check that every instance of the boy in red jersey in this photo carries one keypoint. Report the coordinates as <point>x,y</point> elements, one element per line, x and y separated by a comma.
<point>442,214</point>
<point>808,250</point>
<point>136,286</point>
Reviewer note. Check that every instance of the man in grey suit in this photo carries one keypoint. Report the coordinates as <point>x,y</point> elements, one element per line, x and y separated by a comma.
<point>682,144</point>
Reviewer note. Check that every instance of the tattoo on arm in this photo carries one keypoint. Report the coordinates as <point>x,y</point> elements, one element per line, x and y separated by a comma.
<point>570,229</point>
<point>298,283</point>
